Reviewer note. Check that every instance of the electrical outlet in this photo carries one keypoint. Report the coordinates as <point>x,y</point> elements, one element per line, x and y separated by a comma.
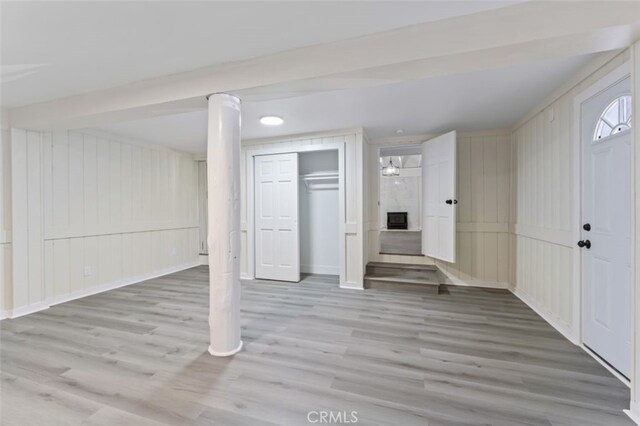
<point>87,271</point>
<point>174,251</point>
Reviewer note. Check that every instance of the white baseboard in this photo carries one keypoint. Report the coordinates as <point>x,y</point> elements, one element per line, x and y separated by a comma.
<point>351,285</point>
<point>453,280</point>
<point>568,333</point>
<point>27,309</point>
<point>246,277</point>
<point>226,353</point>
<point>45,304</point>
<point>565,330</point>
<point>320,269</point>
<point>609,368</point>
<point>634,412</point>
<point>204,259</point>
<point>478,284</point>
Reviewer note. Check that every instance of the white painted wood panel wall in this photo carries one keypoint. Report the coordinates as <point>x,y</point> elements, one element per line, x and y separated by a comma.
<point>5,217</point>
<point>354,177</point>
<point>543,196</point>
<point>91,212</point>
<point>484,173</point>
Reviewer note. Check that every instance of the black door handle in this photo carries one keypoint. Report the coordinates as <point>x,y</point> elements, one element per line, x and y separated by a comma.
<point>585,243</point>
<point>586,227</point>
<point>449,201</point>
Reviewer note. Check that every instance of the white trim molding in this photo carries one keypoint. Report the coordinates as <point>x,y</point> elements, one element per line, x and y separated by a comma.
<point>610,369</point>
<point>28,309</point>
<point>564,329</point>
<point>633,412</point>
<point>56,300</point>
<point>350,285</point>
<point>228,353</point>
<point>252,152</point>
<point>453,280</point>
<point>559,237</point>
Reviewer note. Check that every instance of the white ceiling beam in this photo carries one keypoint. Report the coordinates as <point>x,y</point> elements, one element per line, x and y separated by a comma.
<point>605,40</point>
<point>516,34</point>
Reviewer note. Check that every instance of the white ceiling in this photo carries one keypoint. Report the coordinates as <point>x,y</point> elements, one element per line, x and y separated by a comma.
<point>465,102</point>
<point>57,49</point>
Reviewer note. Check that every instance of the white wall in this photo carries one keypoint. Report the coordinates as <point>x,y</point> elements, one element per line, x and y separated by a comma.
<point>483,246</point>
<point>318,161</point>
<point>354,184</point>
<point>5,214</point>
<point>543,213</point>
<point>319,226</point>
<point>92,212</point>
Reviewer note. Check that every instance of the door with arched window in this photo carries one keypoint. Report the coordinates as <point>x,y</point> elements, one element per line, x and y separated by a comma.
<point>606,224</point>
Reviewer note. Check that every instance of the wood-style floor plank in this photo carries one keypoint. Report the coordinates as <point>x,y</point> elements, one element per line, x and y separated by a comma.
<point>138,356</point>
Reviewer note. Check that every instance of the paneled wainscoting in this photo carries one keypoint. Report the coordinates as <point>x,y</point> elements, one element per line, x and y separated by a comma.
<point>137,355</point>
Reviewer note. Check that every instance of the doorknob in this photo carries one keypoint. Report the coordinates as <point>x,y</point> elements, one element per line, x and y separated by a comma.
<point>449,201</point>
<point>585,243</point>
<point>586,227</point>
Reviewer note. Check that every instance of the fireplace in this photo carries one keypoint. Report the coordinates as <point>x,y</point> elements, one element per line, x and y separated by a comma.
<point>397,220</point>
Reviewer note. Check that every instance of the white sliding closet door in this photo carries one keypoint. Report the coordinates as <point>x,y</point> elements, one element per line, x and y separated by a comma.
<point>439,202</point>
<point>276,217</point>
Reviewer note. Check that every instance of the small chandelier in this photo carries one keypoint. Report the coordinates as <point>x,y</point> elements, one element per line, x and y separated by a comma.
<point>390,169</point>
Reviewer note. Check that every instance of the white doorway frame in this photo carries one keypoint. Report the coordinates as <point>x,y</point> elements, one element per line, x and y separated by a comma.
<point>250,176</point>
<point>379,148</point>
<point>608,80</point>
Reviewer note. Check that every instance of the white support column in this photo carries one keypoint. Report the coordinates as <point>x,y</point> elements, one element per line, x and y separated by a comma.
<point>223,178</point>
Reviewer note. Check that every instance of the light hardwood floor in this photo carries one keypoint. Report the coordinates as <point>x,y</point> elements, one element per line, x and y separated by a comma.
<point>138,356</point>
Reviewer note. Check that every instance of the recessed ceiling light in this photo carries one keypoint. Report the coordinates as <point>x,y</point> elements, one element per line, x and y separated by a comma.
<point>271,120</point>
<point>400,131</point>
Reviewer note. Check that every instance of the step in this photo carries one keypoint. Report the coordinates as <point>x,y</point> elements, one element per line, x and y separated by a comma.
<point>402,266</point>
<point>411,271</point>
<point>401,283</point>
<point>403,277</point>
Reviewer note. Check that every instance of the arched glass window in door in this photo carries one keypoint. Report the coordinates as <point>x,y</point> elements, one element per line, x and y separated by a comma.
<point>615,118</point>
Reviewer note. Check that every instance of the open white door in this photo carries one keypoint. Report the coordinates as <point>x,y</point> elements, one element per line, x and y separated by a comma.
<point>276,217</point>
<point>439,197</point>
